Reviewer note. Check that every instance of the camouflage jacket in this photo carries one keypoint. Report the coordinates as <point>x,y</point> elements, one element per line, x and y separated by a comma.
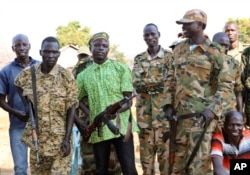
<point>56,93</point>
<point>149,75</point>
<point>245,57</point>
<point>81,65</point>
<point>199,81</point>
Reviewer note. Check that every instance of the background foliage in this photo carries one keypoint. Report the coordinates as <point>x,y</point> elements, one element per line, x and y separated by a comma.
<point>75,34</point>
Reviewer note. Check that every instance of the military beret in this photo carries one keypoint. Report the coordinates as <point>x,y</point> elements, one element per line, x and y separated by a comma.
<point>99,35</point>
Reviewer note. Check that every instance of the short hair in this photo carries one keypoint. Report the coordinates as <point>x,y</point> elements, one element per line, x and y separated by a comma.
<point>50,39</point>
<point>151,24</point>
<point>233,23</point>
<point>230,114</point>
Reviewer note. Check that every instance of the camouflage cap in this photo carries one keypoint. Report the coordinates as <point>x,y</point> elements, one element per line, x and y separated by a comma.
<point>83,50</point>
<point>192,16</point>
<point>99,35</point>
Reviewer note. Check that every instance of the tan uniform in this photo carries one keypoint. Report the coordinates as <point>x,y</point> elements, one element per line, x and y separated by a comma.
<point>56,93</point>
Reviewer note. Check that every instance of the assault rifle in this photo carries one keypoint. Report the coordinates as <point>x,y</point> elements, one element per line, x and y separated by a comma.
<point>171,135</point>
<point>104,117</point>
<point>34,129</point>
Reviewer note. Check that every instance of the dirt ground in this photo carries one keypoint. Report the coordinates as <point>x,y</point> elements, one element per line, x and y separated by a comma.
<point>6,163</point>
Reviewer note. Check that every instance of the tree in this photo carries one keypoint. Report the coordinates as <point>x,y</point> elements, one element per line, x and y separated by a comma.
<point>244,29</point>
<point>116,55</point>
<point>73,34</point>
<point>77,35</point>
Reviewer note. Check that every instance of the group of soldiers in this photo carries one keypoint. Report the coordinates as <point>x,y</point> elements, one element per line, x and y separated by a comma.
<point>152,79</point>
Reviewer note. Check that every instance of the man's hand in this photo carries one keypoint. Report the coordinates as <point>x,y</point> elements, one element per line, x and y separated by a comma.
<point>23,116</point>
<point>81,125</point>
<point>65,148</point>
<point>168,111</point>
<point>206,116</point>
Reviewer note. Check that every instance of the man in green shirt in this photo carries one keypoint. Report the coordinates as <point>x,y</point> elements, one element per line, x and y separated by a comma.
<point>105,82</point>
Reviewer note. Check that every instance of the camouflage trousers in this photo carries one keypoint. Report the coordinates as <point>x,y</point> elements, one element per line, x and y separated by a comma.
<point>151,144</point>
<point>188,133</point>
<point>88,162</point>
<point>52,165</point>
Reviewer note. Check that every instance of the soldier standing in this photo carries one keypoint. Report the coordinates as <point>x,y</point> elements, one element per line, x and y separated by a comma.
<point>235,48</point>
<point>149,73</point>
<point>232,74</point>
<point>197,66</point>
<point>56,96</point>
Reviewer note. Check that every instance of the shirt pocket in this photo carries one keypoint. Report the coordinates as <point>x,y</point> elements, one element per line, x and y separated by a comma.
<point>58,99</point>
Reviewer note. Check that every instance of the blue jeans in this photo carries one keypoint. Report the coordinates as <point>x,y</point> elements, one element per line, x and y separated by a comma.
<point>124,151</point>
<point>19,151</point>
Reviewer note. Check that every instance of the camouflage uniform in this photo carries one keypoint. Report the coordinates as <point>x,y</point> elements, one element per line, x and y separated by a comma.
<point>231,74</point>
<point>149,75</point>
<point>194,73</point>
<point>56,93</point>
<point>246,83</point>
<point>88,165</point>
<point>236,52</point>
<point>81,65</point>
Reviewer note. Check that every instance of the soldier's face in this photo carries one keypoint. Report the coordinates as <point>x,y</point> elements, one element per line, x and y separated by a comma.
<point>100,49</point>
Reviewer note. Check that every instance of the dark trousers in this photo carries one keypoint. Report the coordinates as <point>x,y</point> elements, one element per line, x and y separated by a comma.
<point>124,151</point>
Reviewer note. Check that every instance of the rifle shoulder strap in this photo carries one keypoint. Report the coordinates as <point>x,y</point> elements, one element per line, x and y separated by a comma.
<point>33,76</point>
<point>197,146</point>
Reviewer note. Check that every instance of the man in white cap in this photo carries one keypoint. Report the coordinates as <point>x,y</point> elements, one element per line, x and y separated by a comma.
<point>196,93</point>
<point>84,59</point>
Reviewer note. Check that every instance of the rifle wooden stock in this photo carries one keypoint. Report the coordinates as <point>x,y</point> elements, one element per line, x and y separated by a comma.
<point>105,117</point>
<point>33,129</point>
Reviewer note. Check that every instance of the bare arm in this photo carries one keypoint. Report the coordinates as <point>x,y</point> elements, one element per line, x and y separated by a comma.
<point>69,125</point>
<point>239,101</point>
<point>22,115</point>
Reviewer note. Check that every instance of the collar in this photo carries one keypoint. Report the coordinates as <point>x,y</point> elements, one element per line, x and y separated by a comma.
<point>96,66</point>
<point>160,54</point>
<point>203,46</point>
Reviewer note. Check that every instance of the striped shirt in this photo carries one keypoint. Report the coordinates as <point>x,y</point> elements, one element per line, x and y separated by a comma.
<point>220,146</point>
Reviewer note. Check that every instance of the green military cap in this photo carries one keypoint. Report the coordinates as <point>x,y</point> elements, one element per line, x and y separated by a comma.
<point>99,35</point>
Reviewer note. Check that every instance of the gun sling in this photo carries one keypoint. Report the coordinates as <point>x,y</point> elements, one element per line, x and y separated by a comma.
<point>186,116</point>
<point>33,76</point>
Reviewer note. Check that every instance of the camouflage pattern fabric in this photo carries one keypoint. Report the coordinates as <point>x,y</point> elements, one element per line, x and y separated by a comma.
<point>56,93</point>
<point>246,82</point>
<point>195,70</point>
<point>54,165</point>
<point>149,75</point>
<point>236,52</point>
<point>151,141</point>
<point>231,74</point>
<point>81,65</point>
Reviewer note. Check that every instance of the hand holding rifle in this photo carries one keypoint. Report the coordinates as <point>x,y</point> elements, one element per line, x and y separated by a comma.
<point>105,117</point>
<point>34,127</point>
